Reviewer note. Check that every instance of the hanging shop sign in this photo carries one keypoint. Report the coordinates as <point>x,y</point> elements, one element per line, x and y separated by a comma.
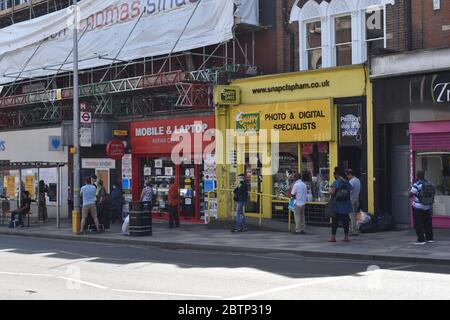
<point>140,28</point>
<point>227,95</point>
<point>350,125</point>
<point>441,88</point>
<point>161,136</point>
<point>115,149</point>
<point>304,121</point>
<point>95,163</point>
<point>120,133</point>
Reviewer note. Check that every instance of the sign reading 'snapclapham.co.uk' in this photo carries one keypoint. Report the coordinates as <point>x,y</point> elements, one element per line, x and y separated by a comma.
<point>142,27</point>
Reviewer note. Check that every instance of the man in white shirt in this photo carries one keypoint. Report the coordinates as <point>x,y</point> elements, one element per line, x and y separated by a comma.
<point>354,197</point>
<point>300,192</point>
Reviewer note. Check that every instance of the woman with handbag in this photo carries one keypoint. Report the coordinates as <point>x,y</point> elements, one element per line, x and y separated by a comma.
<point>341,203</point>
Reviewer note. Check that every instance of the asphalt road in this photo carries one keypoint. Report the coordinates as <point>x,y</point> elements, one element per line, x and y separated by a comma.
<point>32,268</point>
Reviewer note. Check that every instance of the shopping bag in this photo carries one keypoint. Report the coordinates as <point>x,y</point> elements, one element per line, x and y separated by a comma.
<point>292,204</point>
<point>126,225</point>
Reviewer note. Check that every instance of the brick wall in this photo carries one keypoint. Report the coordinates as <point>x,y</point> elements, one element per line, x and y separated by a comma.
<point>396,27</point>
<point>431,29</point>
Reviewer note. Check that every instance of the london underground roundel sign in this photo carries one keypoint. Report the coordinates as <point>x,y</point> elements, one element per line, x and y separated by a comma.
<point>115,149</point>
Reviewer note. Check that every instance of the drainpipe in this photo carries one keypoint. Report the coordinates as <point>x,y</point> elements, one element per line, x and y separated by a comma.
<point>408,23</point>
<point>291,33</point>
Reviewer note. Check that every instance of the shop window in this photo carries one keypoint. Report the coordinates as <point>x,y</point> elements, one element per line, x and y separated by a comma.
<point>314,45</point>
<point>158,171</point>
<point>315,162</point>
<point>343,40</point>
<point>375,30</point>
<point>436,166</point>
<point>288,166</point>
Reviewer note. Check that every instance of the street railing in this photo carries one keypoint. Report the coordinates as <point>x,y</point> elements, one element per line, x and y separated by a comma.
<point>258,194</point>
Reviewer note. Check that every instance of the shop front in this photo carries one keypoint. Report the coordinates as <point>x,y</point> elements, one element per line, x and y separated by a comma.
<point>303,122</point>
<point>178,148</point>
<point>430,152</point>
<point>412,123</point>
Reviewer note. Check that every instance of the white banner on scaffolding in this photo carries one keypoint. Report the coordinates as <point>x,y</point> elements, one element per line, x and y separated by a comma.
<point>144,28</point>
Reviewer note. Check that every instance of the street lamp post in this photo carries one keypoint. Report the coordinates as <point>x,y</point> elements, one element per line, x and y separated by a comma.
<point>76,120</point>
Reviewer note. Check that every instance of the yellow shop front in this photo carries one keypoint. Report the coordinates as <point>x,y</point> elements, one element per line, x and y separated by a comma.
<point>305,122</point>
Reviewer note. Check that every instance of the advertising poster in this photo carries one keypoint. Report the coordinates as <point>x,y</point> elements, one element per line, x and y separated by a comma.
<point>10,186</point>
<point>29,186</point>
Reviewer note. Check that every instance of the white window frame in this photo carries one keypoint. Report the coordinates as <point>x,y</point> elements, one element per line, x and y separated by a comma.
<point>306,50</point>
<point>364,31</point>
<point>3,5</point>
<point>333,37</point>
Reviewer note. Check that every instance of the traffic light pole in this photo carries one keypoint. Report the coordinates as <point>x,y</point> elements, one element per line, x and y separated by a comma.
<point>76,123</point>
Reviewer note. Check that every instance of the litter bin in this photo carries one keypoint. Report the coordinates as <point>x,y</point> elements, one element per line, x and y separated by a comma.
<point>140,220</point>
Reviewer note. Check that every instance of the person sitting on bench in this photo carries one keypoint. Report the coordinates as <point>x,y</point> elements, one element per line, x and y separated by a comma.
<point>23,210</point>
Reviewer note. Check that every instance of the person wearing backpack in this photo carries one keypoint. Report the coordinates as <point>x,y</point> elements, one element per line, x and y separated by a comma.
<point>340,191</point>
<point>422,193</point>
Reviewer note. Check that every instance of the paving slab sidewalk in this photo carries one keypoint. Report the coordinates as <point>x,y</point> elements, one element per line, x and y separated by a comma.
<point>395,246</point>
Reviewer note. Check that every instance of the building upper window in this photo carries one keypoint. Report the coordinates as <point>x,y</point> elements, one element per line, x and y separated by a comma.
<point>343,40</point>
<point>314,45</point>
<point>339,32</point>
<point>375,29</point>
<point>3,4</point>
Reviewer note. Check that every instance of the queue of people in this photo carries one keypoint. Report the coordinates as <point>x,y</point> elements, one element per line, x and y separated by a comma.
<point>344,204</point>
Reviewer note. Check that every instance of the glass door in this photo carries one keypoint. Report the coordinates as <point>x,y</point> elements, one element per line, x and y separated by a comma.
<point>253,178</point>
<point>187,182</point>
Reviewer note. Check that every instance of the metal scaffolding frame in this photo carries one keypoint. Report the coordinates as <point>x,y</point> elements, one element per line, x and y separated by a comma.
<point>167,82</point>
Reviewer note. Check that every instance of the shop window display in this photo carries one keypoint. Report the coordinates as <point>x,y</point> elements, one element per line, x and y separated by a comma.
<point>159,171</point>
<point>436,166</point>
<point>288,166</point>
<point>315,161</point>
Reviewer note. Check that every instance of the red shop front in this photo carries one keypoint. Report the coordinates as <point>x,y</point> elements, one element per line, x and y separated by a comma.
<point>173,148</point>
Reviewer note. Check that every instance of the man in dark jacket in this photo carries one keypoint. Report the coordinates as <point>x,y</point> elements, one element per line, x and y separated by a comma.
<point>241,197</point>
<point>22,210</point>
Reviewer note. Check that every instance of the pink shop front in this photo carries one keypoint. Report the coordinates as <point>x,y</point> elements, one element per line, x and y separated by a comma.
<point>430,152</point>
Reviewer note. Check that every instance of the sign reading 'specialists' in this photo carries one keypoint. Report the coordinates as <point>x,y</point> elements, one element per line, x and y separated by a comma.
<point>305,121</point>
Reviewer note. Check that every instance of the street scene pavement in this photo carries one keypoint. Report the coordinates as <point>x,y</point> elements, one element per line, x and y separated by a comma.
<point>387,246</point>
<point>36,268</point>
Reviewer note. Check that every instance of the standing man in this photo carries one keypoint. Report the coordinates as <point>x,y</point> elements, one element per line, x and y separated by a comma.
<point>423,193</point>
<point>240,197</point>
<point>42,205</point>
<point>354,198</point>
<point>174,202</point>
<point>88,193</point>
<point>300,192</point>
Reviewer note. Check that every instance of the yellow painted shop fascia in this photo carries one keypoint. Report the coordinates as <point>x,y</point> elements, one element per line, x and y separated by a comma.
<point>344,82</point>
